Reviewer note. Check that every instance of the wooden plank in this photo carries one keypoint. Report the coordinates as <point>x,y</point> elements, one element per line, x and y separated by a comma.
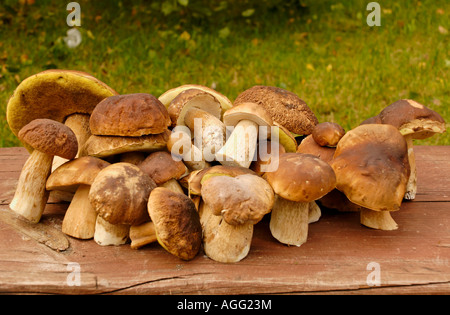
<point>413,259</point>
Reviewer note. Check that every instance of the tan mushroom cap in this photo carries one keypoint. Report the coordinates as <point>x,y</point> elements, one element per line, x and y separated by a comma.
<point>410,118</point>
<point>371,166</point>
<point>50,137</point>
<point>328,134</point>
<point>301,177</point>
<point>247,111</point>
<point>104,146</point>
<point>81,171</point>
<point>285,107</point>
<point>120,193</point>
<point>310,146</point>
<point>161,167</point>
<point>192,98</point>
<point>167,97</point>
<point>177,222</point>
<point>131,115</point>
<point>54,94</point>
<point>240,200</point>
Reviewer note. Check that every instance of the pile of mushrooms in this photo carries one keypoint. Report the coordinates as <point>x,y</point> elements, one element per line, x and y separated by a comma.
<point>194,172</point>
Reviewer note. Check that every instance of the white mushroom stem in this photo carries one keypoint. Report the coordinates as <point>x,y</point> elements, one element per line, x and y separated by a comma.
<point>411,186</point>
<point>31,196</point>
<point>240,148</point>
<point>110,234</point>
<point>314,212</point>
<point>224,242</point>
<point>141,235</point>
<point>289,221</point>
<point>380,220</point>
<point>173,185</point>
<point>79,220</point>
<point>209,132</point>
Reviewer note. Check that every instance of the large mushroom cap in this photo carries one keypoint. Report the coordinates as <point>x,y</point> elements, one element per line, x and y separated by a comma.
<point>371,166</point>
<point>310,146</point>
<point>131,115</point>
<point>410,118</point>
<point>240,200</point>
<point>51,137</point>
<point>285,107</point>
<point>301,177</point>
<point>54,94</point>
<point>177,222</point>
<point>120,193</point>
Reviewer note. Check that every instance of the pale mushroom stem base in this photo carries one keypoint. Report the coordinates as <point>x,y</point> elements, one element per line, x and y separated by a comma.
<point>79,220</point>
<point>411,186</point>
<point>379,220</point>
<point>289,221</point>
<point>143,234</point>
<point>107,234</point>
<point>31,196</point>
<point>240,148</point>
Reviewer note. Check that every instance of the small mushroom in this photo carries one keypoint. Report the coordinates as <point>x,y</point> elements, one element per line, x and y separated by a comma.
<point>285,107</point>
<point>48,138</point>
<point>241,202</point>
<point>119,195</point>
<point>176,222</point>
<point>328,134</point>
<point>80,217</point>
<point>299,180</point>
<point>372,169</point>
<point>201,112</point>
<point>414,121</point>
<point>240,148</point>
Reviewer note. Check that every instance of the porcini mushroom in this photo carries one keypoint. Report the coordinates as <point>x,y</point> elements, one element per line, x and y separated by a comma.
<point>240,148</point>
<point>371,167</point>
<point>176,221</point>
<point>242,202</point>
<point>414,121</point>
<point>327,134</point>
<point>48,138</point>
<point>201,112</point>
<point>119,195</point>
<point>285,107</point>
<point>299,180</point>
<point>80,217</point>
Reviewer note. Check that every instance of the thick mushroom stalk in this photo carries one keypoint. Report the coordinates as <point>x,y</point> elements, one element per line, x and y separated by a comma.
<point>48,138</point>
<point>240,148</point>
<point>299,180</point>
<point>379,220</point>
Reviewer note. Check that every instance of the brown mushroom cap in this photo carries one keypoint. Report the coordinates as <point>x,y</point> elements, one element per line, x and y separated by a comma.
<point>410,118</point>
<point>371,166</point>
<point>310,146</point>
<point>301,177</point>
<point>177,222</point>
<point>131,115</point>
<point>328,134</point>
<point>285,107</point>
<point>103,146</point>
<point>187,99</point>
<point>51,137</point>
<point>161,167</point>
<point>240,200</point>
<point>120,193</point>
<point>54,94</point>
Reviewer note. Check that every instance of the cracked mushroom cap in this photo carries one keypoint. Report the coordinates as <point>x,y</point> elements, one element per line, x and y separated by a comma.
<point>328,134</point>
<point>55,95</point>
<point>285,107</point>
<point>161,167</point>
<point>177,222</point>
<point>410,118</point>
<point>190,98</point>
<point>371,166</point>
<point>301,177</point>
<point>131,115</point>
<point>81,171</point>
<point>239,200</point>
<point>51,137</point>
<point>120,194</point>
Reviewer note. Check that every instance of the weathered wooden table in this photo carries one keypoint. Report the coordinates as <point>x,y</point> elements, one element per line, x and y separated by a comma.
<point>340,257</point>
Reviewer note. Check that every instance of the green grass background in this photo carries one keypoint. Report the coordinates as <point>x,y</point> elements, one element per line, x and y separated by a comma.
<point>324,51</point>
